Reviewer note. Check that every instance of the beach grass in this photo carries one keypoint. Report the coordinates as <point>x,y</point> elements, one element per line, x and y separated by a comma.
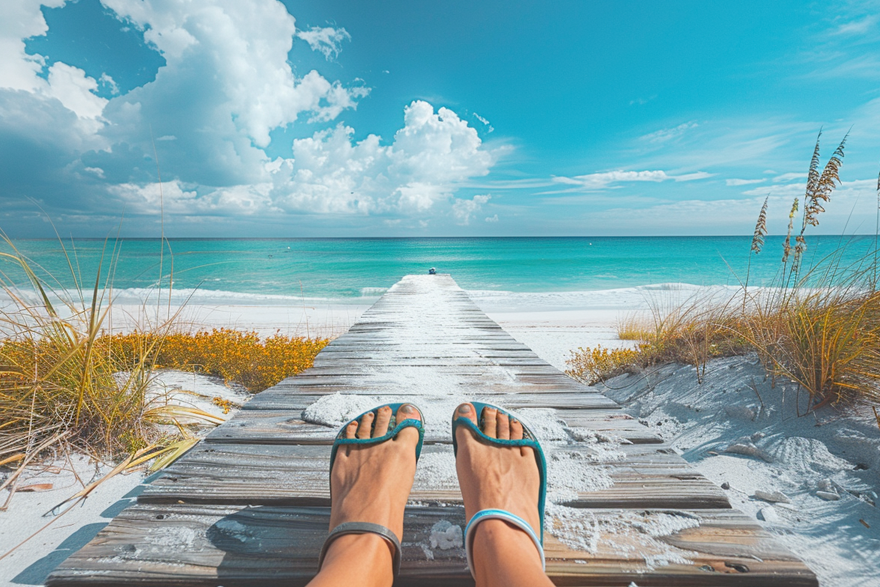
<point>68,383</point>
<point>818,328</point>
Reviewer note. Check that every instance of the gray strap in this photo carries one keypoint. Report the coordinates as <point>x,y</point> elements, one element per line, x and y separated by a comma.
<point>364,528</point>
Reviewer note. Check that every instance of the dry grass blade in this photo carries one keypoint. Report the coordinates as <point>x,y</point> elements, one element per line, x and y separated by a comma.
<point>633,327</point>
<point>30,456</point>
<point>85,491</point>
<point>171,413</point>
<point>173,452</point>
<point>64,380</point>
<point>12,459</point>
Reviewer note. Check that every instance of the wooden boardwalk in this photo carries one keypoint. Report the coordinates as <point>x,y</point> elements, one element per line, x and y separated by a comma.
<point>249,505</point>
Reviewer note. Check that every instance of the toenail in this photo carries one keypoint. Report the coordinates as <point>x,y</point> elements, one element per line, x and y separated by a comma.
<point>406,409</point>
<point>465,409</point>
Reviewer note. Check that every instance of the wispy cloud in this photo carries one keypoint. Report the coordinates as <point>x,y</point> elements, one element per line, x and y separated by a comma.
<point>603,180</point>
<point>489,127</point>
<point>665,135</point>
<point>326,40</point>
<point>857,26</point>
<point>642,101</point>
<point>508,184</point>
<point>788,177</point>
<point>736,182</point>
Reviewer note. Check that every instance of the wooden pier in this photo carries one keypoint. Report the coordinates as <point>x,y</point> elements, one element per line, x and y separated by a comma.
<point>249,506</point>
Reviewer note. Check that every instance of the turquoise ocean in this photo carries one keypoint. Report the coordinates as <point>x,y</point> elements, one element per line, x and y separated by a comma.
<point>351,269</point>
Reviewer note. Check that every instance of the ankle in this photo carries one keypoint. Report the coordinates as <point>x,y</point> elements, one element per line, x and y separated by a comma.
<point>499,545</point>
<point>367,555</point>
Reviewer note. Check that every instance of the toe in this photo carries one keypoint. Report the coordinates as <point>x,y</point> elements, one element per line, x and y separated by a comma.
<point>516,430</point>
<point>489,426</point>
<point>351,430</point>
<point>410,434</point>
<point>502,426</point>
<point>382,420</point>
<point>408,412</point>
<point>466,411</point>
<point>366,426</point>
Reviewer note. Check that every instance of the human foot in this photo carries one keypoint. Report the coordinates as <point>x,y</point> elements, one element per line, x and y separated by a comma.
<point>371,482</point>
<point>369,486</point>
<point>497,477</point>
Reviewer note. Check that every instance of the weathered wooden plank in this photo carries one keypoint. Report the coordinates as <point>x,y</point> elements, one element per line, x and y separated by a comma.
<point>298,475</point>
<point>192,545</point>
<point>415,386</point>
<point>294,399</point>
<point>287,427</point>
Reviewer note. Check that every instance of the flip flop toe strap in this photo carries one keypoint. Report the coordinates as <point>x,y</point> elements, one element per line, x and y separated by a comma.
<point>363,528</point>
<point>482,516</point>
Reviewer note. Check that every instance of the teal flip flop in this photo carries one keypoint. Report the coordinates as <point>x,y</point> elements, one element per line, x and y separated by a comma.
<point>529,439</point>
<point>394,428</point>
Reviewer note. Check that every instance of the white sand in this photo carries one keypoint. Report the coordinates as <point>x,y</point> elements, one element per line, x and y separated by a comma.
<point>833,454</point>
<point>830,454</point>
<point>32,557</point>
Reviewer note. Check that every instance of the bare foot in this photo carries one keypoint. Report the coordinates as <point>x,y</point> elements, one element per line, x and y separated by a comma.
<point>505,478</point>
<point>369,483</point>
<point>372,483</point>
<point>496,477</point>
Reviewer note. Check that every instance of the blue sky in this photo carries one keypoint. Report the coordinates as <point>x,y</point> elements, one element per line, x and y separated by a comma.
<point>348,118</point>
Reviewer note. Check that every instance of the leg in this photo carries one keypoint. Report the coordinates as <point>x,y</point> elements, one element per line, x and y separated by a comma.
<point>369,484</point>
<point>507,478</point>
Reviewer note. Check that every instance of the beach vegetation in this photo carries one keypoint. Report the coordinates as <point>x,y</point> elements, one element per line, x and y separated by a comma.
<point>599,363</point>
<point>819,328</point>
<point>69,384</point>
<point>242,357</point>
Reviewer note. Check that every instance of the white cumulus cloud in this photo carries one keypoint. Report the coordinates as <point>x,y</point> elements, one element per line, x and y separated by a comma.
<point>23,19</point>
<point>329,173</point>
<point>230,57</point>
<point>73,88</point>
<point>429,156</point>
<point>210,113</point>
<point>464,209</point>
<point>20,20</point>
